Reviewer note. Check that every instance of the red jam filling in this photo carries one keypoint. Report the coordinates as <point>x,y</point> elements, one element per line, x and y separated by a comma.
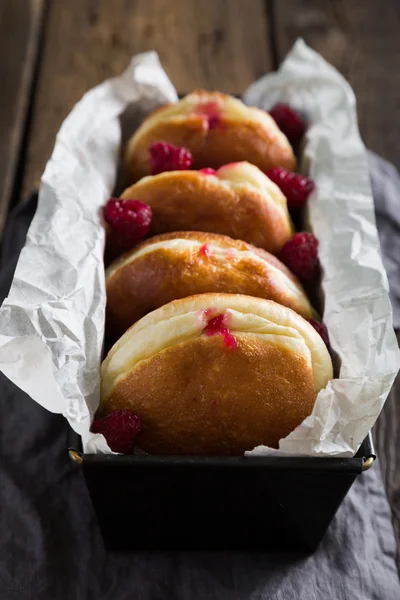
<point>212,112</point>
<point>229,165</point>
<point>208,171</point>
<point>213,122</point>
<point>217,326</point>
<point>205,250</point>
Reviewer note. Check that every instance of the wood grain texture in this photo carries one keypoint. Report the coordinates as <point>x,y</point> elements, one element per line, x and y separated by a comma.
<point>212,44</point>
<point>362,40</point>
<point>20,24</point>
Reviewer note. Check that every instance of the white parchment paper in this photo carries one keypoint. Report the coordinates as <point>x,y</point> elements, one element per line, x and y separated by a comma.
<point>52,323</point>
<point>357,308</point>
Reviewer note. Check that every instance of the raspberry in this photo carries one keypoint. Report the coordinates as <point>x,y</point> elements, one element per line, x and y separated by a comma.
<point>295,187</point>
<point>208,171</point>
<point>130,221</point>
<point>288,121</point>
<point>121,429</point>
<point>322,330</point>
<point>300,254</point>
<point>167,157</point>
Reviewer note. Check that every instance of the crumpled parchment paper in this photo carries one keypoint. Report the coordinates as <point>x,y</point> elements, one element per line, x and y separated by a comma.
<point>52,323</point>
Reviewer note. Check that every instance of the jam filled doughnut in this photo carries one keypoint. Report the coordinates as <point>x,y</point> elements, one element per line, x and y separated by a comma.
<point>217,129</point>
<point>176,265</point>
<point>216,374</point>
<point>238,200</point>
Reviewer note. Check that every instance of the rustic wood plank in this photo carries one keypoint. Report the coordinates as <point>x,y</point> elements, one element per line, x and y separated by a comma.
<point>362,40</point>
<point>212,44</point>
<point>20,26</point>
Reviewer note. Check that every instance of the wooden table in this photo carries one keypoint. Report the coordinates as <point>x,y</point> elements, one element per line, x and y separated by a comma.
<point>53,51</point>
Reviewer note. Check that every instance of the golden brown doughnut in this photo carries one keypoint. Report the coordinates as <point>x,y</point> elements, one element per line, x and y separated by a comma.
<point>251,382</point>
<point>238,201</point>
<point>176,265</point>
<point>217,129</point>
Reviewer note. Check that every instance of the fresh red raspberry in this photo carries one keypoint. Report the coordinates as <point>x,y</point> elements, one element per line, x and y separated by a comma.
<point>129,220</point>
<point>295,187</point>
<point>289,121</point>
<point>121,429</point>
<point>300,254</point>
<point>322,330</point>
<point>167,157</point>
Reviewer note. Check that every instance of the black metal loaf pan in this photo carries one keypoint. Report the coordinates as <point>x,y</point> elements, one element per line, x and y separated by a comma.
<point>211,503</point>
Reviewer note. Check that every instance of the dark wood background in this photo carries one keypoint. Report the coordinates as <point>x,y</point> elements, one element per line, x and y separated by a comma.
<point>52,51</point>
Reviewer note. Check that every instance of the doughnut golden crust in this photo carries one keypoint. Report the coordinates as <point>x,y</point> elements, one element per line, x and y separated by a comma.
<point>238,201</point>
<point>198,394</point>
<point>217,128</point>
<point>176,265</point>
